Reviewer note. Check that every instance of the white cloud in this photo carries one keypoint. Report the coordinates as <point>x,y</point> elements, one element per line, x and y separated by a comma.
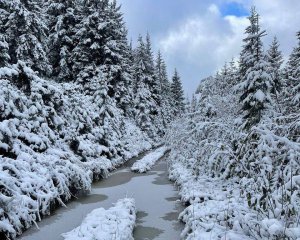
<point>201,44</point>
<point>205,42</point>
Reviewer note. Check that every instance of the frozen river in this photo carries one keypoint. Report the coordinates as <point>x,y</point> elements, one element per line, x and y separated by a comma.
<point>156,201</point>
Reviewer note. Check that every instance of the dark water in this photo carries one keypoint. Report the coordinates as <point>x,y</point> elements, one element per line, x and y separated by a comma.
<point>156,200</point>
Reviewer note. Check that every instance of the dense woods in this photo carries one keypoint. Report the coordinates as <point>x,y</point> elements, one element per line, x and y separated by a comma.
<point>76,100</point>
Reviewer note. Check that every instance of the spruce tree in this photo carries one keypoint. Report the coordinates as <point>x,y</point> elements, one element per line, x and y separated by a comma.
<point>102,43</point>
<point>257,82</point>
<point>177,95</point>
<point>164,86</point>
<point>145,105</point>
<point>4,55</point>
<point>275,59</point>
<point>63,15</point>
<point>26,33</point>
<point>293,78</point>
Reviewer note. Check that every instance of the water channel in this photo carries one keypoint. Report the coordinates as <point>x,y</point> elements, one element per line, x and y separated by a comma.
<point>157,203</point>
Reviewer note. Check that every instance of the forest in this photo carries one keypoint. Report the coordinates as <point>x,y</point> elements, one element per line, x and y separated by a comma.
<point>78,100</point>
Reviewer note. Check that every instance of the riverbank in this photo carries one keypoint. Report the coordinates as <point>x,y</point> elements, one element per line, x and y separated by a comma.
<point>157,204</point>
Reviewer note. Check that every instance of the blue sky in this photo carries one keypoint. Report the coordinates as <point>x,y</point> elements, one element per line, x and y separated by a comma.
<point>198,36</point>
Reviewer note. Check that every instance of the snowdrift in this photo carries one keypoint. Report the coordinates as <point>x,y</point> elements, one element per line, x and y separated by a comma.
<point>115,223</point>
<point>146,163</point>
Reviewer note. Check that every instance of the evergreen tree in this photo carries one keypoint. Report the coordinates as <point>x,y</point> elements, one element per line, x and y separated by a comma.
<point>194,104</point>
<point>177,95</point>
<point>145,105</point>
<point>293,78</point>
<point>4,56</point>
<point>164,86</point>
<point>152,80</point>
<point>275,60</point>
<point>26,32</point>
<point>257,82</point>
<point>102,43</point>
<point>63,16</point>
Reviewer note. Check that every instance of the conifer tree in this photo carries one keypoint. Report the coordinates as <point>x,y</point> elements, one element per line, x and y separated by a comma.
<point>193,104</point>
<point>164,86</point>
<point>26,33</point>
<point>4,55</point>
<point>275,60</point>
<point>145,105</point>
<point>293,78</point>
<point>102,43</point>
<point>257,82</point>
<point>63,17</point>
<point>177,95</point>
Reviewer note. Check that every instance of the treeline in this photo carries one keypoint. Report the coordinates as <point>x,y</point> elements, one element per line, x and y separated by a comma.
<point>86,42</point>
<point>243,128</point>
<point>76,100</point>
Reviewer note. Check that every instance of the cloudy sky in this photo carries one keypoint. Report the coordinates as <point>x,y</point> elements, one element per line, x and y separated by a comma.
<point>198,36</point>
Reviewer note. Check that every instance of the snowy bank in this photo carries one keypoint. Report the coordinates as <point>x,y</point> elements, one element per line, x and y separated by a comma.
<point>51,147</point>
<point>115,223</point>
<point>147,162</point>
<point>216,210</point>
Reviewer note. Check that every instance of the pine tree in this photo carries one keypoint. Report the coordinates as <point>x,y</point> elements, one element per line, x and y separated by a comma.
<point>26,32</point>
<point>177,95</point>
<point>63,16</point>
<point>257,83</point>
<point>275,59</point>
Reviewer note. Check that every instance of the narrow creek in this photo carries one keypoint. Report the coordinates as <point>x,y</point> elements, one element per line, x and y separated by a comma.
<point>156,198</point>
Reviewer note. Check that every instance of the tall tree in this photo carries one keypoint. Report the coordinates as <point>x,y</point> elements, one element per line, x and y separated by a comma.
<point>102,43</point>
<point>63,16</point>
<point>257,82</point>
<point>293,78</point>
<point>4,56</point>
<point>164,87</point>
<point>177,95</point>
<point>26,32</point>
<point>145,104</point>
<point>275,60</point>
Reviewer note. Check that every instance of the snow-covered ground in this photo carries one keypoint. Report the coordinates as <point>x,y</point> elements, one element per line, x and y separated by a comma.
<point>146,163</point>
<point>114,223</point>
<point>216,210</point>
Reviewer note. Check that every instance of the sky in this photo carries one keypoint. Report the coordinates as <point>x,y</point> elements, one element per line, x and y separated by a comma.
<point>198,36</point>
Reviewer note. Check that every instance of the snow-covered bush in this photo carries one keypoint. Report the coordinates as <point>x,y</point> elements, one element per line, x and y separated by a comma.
<point>50,147</point>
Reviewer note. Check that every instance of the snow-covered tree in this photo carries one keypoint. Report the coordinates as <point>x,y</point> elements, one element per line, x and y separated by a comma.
<point>26,33</point>
<point>102,42</point>
<point>4,55</point>
<point>177,95</point>
<point>62,19</point>
<point>257,82</point>
<point>275,59</point>
<point>165,88</point>
<point>145,105</point>
<point>293,78</point>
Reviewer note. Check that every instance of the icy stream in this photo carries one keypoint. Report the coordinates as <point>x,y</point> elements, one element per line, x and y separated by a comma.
<point>156,201</point>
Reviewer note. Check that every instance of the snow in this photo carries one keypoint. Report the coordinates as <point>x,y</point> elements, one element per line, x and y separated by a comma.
<point>146,163</point>
<point>115,223</point>
<point>49,149</point>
